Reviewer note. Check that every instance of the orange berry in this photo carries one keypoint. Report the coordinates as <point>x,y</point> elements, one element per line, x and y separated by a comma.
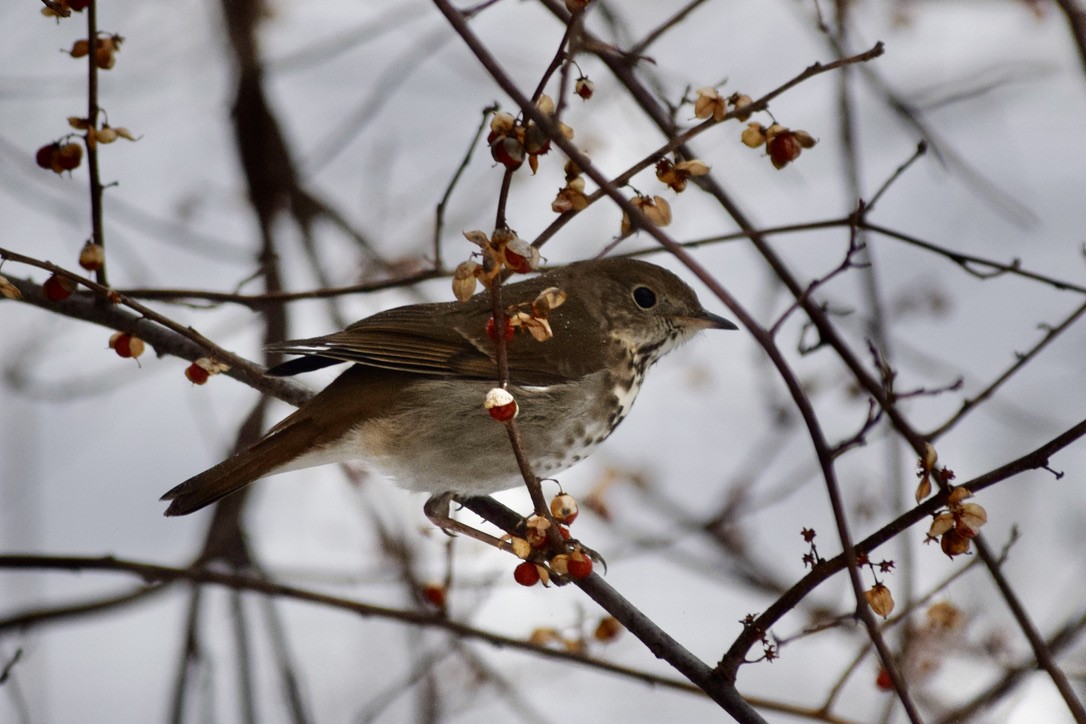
<point>607,630</point>
<point>68,157</point>
<point>92,256</point>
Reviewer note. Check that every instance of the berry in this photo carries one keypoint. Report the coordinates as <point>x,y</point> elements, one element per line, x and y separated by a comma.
<point>500,405</point>
<point>492,329</point>
<point>520,256</point>
<point>508,151</point>
<point>783,149</point>
<point>125,345</point>
<point>68,157</point>
<point>45,155</point>
<point>57,288</point>
<point>92,256</point>
<point>607,630</point>
<point>197,375</point>
<point>584,87</point>
<point>434,593</point>
<point>579,565</point>
<point>564,508</point>
<point>526,574</point>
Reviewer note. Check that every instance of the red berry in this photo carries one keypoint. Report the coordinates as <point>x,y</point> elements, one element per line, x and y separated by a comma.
<point>434,593</point>
<point>508,151</point>
<point>197,375</point>
<point>492,329</point>
<point>579,566</point>
<point>584,87</point>
<point>45,155</point>
<point>883,681</point>
<point>57,288</point>
<point>125,345</point>
<point>517,263</point>
<point>783,149</point>
<point>526,574</point>
<point>520,256</point>
<point>122,344</point>
<point>500,404</point>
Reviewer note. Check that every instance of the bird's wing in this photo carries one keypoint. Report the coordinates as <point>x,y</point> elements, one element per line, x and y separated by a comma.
<point>429,339</point>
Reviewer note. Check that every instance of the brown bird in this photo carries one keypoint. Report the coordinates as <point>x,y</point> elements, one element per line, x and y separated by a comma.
<point>411,403</point>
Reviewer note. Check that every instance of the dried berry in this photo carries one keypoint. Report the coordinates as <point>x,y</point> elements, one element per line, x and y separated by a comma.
<point>92,256</point>
<point>564,508</point>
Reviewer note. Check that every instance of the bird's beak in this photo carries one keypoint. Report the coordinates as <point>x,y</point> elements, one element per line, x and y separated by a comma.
<point>708,320</point>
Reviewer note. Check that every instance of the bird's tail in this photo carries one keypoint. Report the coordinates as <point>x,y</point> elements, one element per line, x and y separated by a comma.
<point>284,443</point>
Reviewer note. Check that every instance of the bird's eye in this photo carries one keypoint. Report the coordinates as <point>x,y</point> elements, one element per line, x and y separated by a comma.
<point>645,297</point>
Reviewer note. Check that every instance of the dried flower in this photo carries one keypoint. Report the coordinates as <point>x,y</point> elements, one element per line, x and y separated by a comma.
<point>879,599</point>
<point>710,103</point>
<point>655,208</point>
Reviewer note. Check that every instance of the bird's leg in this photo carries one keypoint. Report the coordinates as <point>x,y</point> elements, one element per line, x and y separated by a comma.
<point>437,510</point>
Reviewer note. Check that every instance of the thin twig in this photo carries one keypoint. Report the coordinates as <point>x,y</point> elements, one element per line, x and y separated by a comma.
<point>5,673</point>
<point>638,49</point>
<point>158,574</point>
<point>921,149</point>
<point>162,333</point>
<point>677,140</point>
<point>93,171</point>
<point>1034,460</point>
<point>1056,643</point>
<point>966,260</point>
<point>970,403</point>
<point>439,212</point>
<point>243,655</point>
<point>1045,658</point>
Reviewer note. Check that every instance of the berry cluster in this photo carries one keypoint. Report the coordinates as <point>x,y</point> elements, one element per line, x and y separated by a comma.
<point>574,563</point>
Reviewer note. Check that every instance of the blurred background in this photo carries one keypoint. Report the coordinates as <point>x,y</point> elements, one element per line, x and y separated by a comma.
<point>703,491</point>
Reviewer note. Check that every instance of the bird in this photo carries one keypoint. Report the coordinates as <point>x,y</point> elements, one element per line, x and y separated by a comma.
<point>411,402</point>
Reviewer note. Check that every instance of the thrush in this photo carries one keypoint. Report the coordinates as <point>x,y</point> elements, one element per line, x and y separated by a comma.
<point>411,403</point>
